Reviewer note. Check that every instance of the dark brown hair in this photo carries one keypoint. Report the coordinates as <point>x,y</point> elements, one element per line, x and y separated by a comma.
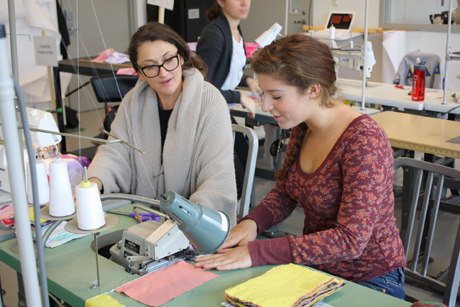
<point>154,31</point>
<point>298,60</point>
<point>214,11</point>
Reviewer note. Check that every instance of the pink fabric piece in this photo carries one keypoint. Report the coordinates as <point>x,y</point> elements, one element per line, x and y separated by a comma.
<point>104,55</point>
<point>157,288</point>
<point>127,71</point>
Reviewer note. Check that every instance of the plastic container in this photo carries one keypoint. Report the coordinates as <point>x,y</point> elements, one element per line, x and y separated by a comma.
<point>418,82</point>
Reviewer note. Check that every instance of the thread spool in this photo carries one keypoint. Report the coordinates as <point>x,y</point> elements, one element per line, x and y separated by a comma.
<point>332,32</point>
<point>90,215</point>
<point>42,183</point>
<point>61,199</point>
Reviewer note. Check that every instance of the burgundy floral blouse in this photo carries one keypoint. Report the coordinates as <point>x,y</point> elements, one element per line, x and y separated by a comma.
<point>349,228</point>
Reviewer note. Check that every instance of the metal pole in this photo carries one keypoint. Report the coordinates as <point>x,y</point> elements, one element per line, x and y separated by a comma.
<point>448,52</point>
<point>13,43</point>
<point>363,99</point>
<point>98,284</point>
<point>18,189</point>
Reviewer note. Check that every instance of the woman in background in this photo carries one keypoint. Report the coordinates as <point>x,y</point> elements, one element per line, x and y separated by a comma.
<point>338,167</point>
<point>221,46</point>
<point>179,120</point>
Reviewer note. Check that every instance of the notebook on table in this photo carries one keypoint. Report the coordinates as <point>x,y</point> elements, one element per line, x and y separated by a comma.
<point>342,21</point>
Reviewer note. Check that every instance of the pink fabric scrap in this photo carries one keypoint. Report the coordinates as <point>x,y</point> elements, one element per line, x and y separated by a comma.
<point>157,288</point>
<point>127,71</point>
<point>104,55</point>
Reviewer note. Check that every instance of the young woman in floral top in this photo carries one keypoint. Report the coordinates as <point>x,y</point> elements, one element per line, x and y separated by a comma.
<point>338,167</point>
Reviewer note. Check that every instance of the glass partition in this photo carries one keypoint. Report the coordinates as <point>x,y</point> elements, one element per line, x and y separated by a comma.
<point>422,14</point>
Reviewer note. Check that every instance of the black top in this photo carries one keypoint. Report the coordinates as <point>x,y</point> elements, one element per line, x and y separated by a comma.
<point>164,119</point>
<point>215,47</point>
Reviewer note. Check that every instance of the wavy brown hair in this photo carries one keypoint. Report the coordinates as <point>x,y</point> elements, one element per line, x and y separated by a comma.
<point>298,60</point>
<point>214,11</point>
<point>154,31</point>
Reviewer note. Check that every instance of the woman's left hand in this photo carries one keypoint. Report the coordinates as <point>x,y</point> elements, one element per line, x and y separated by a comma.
<point>226,259</point>
<point>254,88</point>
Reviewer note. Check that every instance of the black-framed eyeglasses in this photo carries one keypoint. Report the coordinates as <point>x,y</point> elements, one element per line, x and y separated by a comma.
<point>152,71</point>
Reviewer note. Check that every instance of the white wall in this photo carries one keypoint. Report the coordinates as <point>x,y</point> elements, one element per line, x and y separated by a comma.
<point>112,16</point>
<point>417,11</point>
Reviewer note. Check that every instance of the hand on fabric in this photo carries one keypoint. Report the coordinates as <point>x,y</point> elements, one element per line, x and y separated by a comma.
<point>249,104</point>
<point>241,234</point>
<point>226,259</point>
<point>254,88</point>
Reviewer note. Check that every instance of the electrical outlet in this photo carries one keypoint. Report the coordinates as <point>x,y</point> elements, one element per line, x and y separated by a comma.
<point>335,2</point>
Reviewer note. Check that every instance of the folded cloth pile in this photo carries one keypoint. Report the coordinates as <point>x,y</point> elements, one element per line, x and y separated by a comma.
<point>285,285</point>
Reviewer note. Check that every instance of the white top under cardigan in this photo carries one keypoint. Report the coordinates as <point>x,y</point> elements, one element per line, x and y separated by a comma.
<point>198,150</point>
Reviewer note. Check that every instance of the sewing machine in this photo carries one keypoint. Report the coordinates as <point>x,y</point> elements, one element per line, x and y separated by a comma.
<point>150,245</point>
<point>44,143</point>
<point>352,57</point>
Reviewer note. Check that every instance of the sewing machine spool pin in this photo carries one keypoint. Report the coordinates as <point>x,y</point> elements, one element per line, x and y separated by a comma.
<point>98,284</point>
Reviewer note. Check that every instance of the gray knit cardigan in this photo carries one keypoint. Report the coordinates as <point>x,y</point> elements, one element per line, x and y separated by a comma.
<point>198,150</point>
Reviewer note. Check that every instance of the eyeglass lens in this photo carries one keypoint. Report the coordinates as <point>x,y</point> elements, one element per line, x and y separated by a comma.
<point>153,70</point>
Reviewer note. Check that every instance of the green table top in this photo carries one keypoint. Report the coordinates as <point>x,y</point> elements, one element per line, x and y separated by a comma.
<point>71,267</point>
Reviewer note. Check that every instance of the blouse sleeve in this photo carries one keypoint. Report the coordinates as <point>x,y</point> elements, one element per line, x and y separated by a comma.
<point>367,170</point>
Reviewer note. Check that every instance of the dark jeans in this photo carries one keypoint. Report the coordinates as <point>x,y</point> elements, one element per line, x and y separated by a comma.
<point>391,283</point>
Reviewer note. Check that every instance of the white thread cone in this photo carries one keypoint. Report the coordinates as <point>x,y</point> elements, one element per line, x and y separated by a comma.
<point>61,198</point>
<point>90,215</point>
<point>42,182</point>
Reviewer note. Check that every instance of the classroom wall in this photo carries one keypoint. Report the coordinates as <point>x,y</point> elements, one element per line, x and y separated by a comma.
<point>417,11</point>
<point>425,41</point>
<point>102,24</point>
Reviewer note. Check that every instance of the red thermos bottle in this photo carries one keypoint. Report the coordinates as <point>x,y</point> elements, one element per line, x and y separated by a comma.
<point>418,82</point>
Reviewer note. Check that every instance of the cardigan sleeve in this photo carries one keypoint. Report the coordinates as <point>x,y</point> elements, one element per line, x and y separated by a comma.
<point>112,163</point>
<point>215,180</point>
<point>366,169</point>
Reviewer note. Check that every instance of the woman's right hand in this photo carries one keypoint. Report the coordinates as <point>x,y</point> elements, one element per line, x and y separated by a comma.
<point>97,182</point>
<point>249,104</point>
<point>241,234</point>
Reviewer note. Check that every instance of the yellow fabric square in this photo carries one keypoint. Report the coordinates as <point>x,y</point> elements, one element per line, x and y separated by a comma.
<point>103,300</point>
<point>282,286</point>
<point>31,215</point>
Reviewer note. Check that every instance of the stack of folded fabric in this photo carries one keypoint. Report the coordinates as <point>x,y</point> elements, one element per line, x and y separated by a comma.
<point>285,285</point>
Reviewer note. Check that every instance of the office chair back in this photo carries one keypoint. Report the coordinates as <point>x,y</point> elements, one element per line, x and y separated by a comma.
<point>247,195</point>
<point>435,177</point>
<point>110,88</point>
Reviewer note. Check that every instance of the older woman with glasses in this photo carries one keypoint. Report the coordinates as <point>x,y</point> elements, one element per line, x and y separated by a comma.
<point>172,115</point>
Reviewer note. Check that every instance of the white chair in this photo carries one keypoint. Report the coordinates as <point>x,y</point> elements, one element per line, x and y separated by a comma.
<point>248,184</point>
<point>435,182</point>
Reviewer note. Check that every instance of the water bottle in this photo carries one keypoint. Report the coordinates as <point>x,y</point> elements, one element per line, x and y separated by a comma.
<point>418,81</point>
